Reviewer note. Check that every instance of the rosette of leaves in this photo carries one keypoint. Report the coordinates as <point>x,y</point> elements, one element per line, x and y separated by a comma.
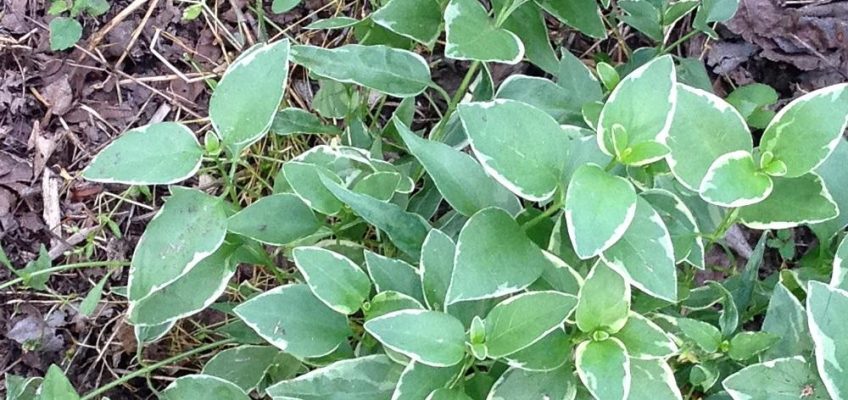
<point>527,247</point>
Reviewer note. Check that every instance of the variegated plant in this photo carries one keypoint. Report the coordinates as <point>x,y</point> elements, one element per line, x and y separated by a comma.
<point>539,242</point>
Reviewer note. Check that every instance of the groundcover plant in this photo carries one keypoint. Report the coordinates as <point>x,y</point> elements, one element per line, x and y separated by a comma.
<point>540,241</point>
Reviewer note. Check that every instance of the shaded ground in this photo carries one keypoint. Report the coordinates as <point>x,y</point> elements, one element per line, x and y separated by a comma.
<point>59,108</point>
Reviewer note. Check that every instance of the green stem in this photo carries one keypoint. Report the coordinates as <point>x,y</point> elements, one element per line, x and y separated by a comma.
<point>678,42</point>
<point>62,268</point>
<point>546,214</point>
<point>143,371</point>
<point>457,97</point>
<point>726,223</point>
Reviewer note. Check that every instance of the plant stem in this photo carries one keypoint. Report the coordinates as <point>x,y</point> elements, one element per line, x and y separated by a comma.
<point>553,209</point>
<point>62,268</point>
<point>457,97</point>
<point>678,42</point>
<point>726,223</point>
<point>120,381</point>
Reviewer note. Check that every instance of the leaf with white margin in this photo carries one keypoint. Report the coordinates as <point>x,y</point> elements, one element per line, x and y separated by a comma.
<point>437,254</point>
<point>189,294</point>
<point>55,386</point>
<point>472,35</point>
<point>189,227</point>
<point>584,15</point>
<point>406,230</point>
<point>645,339</point>
<point>825,305</point>
<point>395,72</point>
<point>779,379</point>
<point>519,384</point>
<point>202,387</point>
<point>307,328</point>
<point>705,335</point>
<point>429,337</point>
<point>522,320</point>
<point>276,220</point>
<point>493,258</point>
<point>734,180</point>
<point>245,101</point>
<point>556,101</point>
<point>418,380</point>
<point>246,366</point>
<point>644,254</point>
<point>364,378</point>
<point>460,179</point>
<point>793,202</point>
<point>155,154</point>
<point>519,145</point>
<point>333,278</point>
<point>686,237</point>
<point>603,366</point>
<point>705,122</point>
<point>604,301</point>
<point>652,379</point>
<point>834,175</point>
<point>394,275</point>
<point>527,21</point>
<point>305,180</point>
<point>839,279</point>
<point>547,354</point>
<point>387,302</point>
<point>804,132</point>
<point>786,319</point>
<point>599,208</point>
<point>456,393</point>
<point>643,104</point>
<point>419,20</point>
<point>291,120</point>
<point>21,388</point>
<point>150,334</point>
<point>578,79</point>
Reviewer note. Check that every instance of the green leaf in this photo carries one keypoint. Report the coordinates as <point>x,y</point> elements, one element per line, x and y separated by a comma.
<point>728,319</point>
<point>604,368</point>
<point>548,353</point>
<point>189,294</point>
<point>644,255</point>
<point>608,75</point>
<point>308,328</point>
<point>833,173</point>
<point>335,99</point>
<point>246,366</point>
<point>281,6</point>
<point>519,384</point>
<point>522,320</point>
<point>305,180</point>
<point>528,23</point>
<point>681,223</point>
<point>599,208</point>
<point>734,180</point>
<point>830,335</point>
<point>793,202</point>
<point>395,275</point>
<point>529,165</point>
<point>705,335</point>
<point>437,255</point>
<point>429,337</point>
<point>56,386</point>
<point>787,320</point>
<point>698,115</point>
<point>644,339</point>
<point>57,7</point>
<point>751,101</point>
<point>364,378</point>
<point>839,279</point>
<point>746,345</point>
<point>395,72</point>
<point>556,101</point>
<point>333,278</point>
<point>150,334</point>
<point>643,16</point>
<point>642,105</point>
<point>389,301</point>
<point>604,301</point>
<point>157,154</point>
<point>245,101</point>
<point>333,23</point>
<point>418,380</point>
<point>578,80</point>
<point>202,387</point>
<point>89,303</point>
<point>584,15</point>
<point>93,8</point>
<point>472,35</point>
<point>276,220</point>
<point>189,227</point>
<point>64,33</point>
<point>459,178</point>
<point>652,379</point>
<point>780,379</point>
<point>289,121</point>
<point>493,258</point>
<point>807,130</point>
<point>406,230</point>
<point>20,388</point>
<point>419,20</point>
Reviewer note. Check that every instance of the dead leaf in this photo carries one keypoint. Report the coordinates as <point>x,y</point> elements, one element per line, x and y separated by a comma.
<point>59,95</point>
